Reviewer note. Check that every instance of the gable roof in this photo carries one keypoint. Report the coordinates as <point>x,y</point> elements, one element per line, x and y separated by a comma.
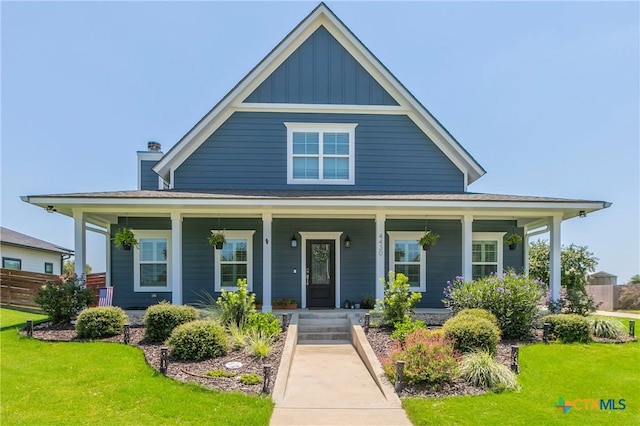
<point>320,16</point>
<point>10,237</point>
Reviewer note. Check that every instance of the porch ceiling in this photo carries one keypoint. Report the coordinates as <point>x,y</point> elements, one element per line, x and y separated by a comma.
<point>104,207</point>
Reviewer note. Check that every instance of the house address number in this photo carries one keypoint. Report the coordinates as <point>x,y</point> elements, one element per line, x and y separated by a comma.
<point>380,245</point>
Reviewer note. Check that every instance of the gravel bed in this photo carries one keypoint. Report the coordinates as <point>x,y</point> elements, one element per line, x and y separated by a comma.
<point>184,371</point>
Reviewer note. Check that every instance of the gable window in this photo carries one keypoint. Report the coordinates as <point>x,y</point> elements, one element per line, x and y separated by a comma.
<point>406,256</point>
<point>11,263</point>
<point>48,268</point>
<point>151,266</point>
<point>234,261</point>
<point>486,254</point>
<point>320,153</point>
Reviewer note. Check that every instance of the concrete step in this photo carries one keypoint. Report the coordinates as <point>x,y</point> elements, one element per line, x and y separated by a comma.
<point>323,329</point>
<point>320,336</point>
<point>324,342</point>
<point>322,314</point>
<point>330,322</point>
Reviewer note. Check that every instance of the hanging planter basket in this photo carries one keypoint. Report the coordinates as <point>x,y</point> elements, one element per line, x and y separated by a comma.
<point>125,239</point>
<point>512,240</point>
<point>217,239</point>
<point>429,239</point>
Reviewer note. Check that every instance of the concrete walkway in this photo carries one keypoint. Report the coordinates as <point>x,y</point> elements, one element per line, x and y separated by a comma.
<point>329,385</point>
<point>618,314</point>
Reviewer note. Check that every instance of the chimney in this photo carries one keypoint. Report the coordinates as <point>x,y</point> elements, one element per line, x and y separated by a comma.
<point>147,178</point>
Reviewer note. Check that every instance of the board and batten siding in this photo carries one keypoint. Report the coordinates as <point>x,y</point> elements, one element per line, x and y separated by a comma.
<point>321,71</point>
<point>122,266</point>
<point>249,151</point>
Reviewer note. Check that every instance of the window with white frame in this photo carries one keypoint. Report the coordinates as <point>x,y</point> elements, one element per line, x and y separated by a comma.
<point>486,254</point>
<point>320,153</point>
<point>406,256</point>
<point>234,261</point>
<point>151,260</point>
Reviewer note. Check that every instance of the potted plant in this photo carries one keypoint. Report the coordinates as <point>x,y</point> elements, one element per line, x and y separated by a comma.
<point>368,302</point>
<point>285,303</point>
<point>512,240</point>
<point>125,239</point>
<point>217,239</point>
<point>428,239</point>
<point>258,305</point>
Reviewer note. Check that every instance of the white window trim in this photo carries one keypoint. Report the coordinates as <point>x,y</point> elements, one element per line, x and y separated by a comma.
<point>146,233</point>
<point>408,235</point>
<point>491,236</point>
<point>245,234</point>
<point>349,128</point>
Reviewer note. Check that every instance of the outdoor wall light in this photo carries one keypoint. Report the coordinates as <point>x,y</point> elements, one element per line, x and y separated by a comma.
<point>294,241</point>
<point>50,209</point>
<point>347,242</point>
<point>582,214</point>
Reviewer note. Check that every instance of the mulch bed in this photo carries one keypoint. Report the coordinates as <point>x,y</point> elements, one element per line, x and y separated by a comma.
<point>184,371</point>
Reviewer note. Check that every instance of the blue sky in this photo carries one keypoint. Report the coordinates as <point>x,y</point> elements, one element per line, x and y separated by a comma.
<point>545,95</point>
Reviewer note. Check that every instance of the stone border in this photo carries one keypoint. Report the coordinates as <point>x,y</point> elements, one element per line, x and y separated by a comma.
<point>288,352</point>
<point>364,350</point>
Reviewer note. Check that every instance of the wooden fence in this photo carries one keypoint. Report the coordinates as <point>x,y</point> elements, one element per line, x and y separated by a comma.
<point>608,295</point>
<point>18,288</point>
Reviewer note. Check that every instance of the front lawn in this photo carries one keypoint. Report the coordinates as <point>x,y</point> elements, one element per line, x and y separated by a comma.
<point>13,317</point>
<point>593,371</point>
<point>105,383</point>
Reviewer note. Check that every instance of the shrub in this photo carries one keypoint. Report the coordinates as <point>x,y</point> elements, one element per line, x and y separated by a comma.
<point>220,373</point>
<point>250,379</point>
<point>630,297</point>
<point>63,297</point>
<point>479,313</point>
<point>471,333</point>
<point>399,300</point>
<point>406,327</point>
<point>238,335</point>
<point>429,358</point>
<point>575,301</point>
<point>95,323</point>
<point>512,298</point>
<point>198,340</point>
<point>606,328</point>
<point>482,370</point>
<point>266,323</point>
<point>259,343</point>
<point>236,306</point>
<point>569,328</point>
<point>161,319</point>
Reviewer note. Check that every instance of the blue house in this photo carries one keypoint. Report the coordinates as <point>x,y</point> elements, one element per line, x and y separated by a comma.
<point>323,171</point>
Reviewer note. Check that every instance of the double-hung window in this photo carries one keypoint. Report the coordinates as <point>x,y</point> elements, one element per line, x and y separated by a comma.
<point>406,256</point>
<point>486,254</point>
<point>234,261</point>
<point>152,268</point>
<point>321,153</point>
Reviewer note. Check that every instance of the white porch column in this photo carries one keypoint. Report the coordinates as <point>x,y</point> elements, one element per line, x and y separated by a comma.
<point>554,257</point>
<point>80,242</point>
<point>267,241</point>
<point>467,246</point>
<point>526,251</point>
<point>176,258</point>
<point>380,256</point>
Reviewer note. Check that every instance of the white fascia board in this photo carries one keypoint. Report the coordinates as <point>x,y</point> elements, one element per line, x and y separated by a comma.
<point>323,108</point>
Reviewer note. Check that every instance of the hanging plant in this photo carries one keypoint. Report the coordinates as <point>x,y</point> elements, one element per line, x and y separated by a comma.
<point>125,239</point>
<point>512,240</point>
<point>217,239</point>
<point>429,239</point>
<point>320,254</point>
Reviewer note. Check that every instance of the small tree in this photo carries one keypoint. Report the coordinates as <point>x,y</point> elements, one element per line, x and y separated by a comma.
<point>69,268</point>
<point>634,279</point>
<point>399,300</point>
<point>576,263</point>
<point>64,297</point>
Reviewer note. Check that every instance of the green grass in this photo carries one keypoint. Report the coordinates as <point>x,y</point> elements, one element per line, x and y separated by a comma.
<point>13,318</point>
<point>624,321</point>
<point>106,384</point>
<point>577,371</point>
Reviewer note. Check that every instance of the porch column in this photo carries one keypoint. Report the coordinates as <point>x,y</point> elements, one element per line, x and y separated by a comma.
<point>526,251</point>
<point>267,241</point>
<point>467,246</point>
<point>176,258</point>
<point>380,245</point>
<point>80,242</point>
<point>554,257</point>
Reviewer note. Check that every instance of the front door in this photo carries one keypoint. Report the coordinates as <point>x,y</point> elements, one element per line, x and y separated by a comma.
<point>321,266</point>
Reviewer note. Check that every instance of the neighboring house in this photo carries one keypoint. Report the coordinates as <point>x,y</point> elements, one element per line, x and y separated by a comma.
<point>323,170</point>
<point>25,253</point>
